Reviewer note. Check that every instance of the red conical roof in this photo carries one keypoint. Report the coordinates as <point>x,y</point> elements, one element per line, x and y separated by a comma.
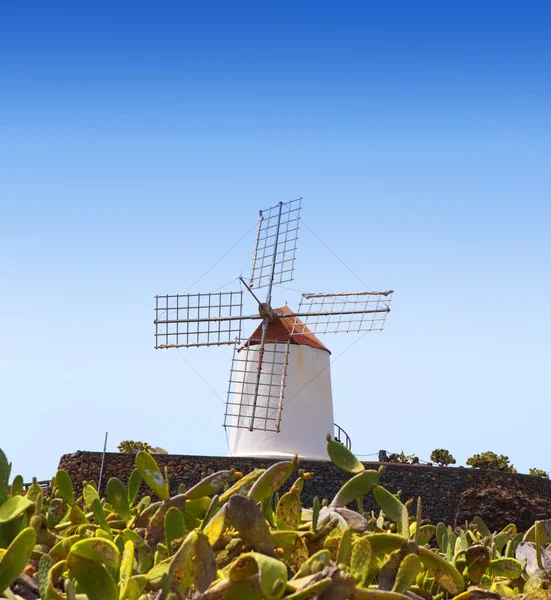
<point>280,331</point>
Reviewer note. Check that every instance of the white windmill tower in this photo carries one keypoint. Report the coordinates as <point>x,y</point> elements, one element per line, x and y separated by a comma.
<point>279,399</point>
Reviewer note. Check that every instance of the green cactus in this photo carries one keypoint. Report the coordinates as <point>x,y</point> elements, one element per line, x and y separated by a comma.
<point>314,589</point>
<point>271,480</point>
<point>197,544</point>
<point>271,573</point>
<point>161,554</point>
<point>418,520</point>
<point>44,567</point>
<point>241,485</point>
<point>174,526</point>
<point>76,516</point>
<point>17,486</point>
<point>345,548</point>
<point>211,511</point>
<point>361,560</point>
<point>5,471</point>
<point>359,485</point>
<point>289,511</point>
<point>342,457</point>
<point>193,566</point>
<point>298,485</point>
<point>64,487</point>
<point>13,508</point>
<point>393,508</point>
<point>145,558</point>
<point>36,495</point>
<point>134,483</point>
<point>500,540</point>
<point>267,508</point>
<point>478,558</point>
<point>315,514</point>
<point>442,537</point>
<point>15,558</point>
<point>246,518</point>
<point>506,567</point>
<point>216,526</point>
<point>314,564</point>
<point>99,515</point>
<point>151,474</point>
<point>407,573</point>
<point>482,527</point>
<point>445,574</point>
<point>93,577</point>
<point>118,498</point>
<point>211,484</point>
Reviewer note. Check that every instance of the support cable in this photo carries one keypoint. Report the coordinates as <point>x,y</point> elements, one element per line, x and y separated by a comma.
<point>221,258</point>
<point>336,256</point>
<point>325,368</point>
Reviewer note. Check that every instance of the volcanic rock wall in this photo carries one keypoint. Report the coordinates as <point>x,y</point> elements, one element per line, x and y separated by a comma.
<point>449,494</point>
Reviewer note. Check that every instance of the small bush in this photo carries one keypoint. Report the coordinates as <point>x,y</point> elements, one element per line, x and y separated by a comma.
<point>132,447</point>
<point>490,460</point>
<point>442,457</point>
<point>402,458</point>
<point>539,473</point>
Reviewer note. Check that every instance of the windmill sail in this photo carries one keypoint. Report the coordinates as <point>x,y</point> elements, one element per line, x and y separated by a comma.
<point>256,387</point>
<point>342,313</point>
<point>187,320</point>
<point>276,244</point>
<point>258,374</point>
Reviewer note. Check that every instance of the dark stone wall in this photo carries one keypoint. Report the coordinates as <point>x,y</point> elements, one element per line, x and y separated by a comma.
<point>449,494</point>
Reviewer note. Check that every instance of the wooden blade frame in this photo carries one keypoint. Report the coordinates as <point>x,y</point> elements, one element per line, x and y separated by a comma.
<point>256,388</point>
<point>341,313</point>
<point>187,320</point>
<point>276,244</point>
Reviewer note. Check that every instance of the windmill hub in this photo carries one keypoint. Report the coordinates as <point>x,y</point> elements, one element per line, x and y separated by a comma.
<point>265,310</point>
<point>279,398</point>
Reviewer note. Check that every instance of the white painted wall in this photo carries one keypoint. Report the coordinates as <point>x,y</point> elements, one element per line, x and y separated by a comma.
<point>307,414</point>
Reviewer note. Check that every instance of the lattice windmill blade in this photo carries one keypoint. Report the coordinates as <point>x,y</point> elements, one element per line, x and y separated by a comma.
<point>256,387</point>
<point>345,312</point>
<point>187,320</point>
<point>276,244</point>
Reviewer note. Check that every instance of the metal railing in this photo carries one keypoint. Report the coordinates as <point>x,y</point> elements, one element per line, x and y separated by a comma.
<point>45,484</point>
<point>342,437</point>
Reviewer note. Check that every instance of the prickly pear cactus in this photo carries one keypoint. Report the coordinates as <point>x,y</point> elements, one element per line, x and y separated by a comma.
<point>243,538</point>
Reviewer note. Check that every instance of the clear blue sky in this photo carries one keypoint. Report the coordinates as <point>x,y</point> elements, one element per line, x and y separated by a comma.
<point>138,141</point>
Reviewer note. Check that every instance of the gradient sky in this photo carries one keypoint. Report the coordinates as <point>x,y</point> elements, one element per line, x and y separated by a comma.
<point>139,140</point>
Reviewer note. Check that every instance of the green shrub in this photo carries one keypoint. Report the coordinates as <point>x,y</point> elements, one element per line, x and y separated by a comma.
<point>442,457</point>
<point>539,473</point>
<point>400,457</point>
<point>490,460</point>
<point>132,447</point>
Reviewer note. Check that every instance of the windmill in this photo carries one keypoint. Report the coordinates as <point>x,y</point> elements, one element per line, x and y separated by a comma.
<point>279,399</point>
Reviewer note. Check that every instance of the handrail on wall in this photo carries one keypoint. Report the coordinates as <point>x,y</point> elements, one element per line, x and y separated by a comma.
<point>342,437</point>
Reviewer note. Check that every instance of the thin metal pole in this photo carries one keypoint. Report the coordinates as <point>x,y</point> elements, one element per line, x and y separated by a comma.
<point>207,319</point>
<point>274,257</point>
<point>329,294</point>
<point>328,313</point>
<point>248,288</point>
<point>297,314</point>
<point>253,264</point>
<point>259,370</point>
<point>102,461</point>
<point>265,321</point>
<point>282,388</point>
